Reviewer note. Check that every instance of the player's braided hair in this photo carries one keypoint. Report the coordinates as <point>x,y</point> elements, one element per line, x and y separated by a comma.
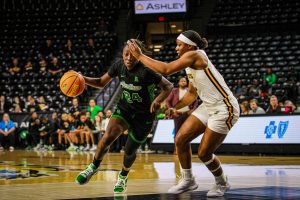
<point>141,45</point>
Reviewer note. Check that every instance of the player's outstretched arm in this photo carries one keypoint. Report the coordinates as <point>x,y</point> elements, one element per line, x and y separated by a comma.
<point>166,88</point>
<point>188,59</point>
<point>98,82</point>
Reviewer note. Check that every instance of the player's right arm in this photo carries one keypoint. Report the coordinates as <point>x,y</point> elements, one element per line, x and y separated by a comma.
<point>97,82</point>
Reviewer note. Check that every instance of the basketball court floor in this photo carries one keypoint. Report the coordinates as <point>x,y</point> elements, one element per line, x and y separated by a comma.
<point>50,175</point>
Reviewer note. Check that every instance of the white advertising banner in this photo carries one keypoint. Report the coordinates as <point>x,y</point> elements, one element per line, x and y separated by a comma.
<point>248,130</point>
<point>159,6</point>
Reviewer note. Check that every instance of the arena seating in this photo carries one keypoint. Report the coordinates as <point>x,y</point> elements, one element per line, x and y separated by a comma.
<point>27,24</point>
<point>255,12</point>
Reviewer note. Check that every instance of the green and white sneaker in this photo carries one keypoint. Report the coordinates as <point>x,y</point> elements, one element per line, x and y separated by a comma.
<point>86,174</point>
<point>121,185</point>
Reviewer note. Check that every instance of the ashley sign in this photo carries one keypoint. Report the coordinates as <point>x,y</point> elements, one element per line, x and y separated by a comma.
<point>159,6</point>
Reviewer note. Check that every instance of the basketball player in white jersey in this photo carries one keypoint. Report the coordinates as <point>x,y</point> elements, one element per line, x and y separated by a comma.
<point>214,117</point>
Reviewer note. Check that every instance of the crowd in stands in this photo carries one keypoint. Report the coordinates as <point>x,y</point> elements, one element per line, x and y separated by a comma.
<point>75,130</point>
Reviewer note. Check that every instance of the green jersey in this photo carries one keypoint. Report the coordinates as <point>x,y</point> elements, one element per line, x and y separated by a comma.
<point>137,84</point>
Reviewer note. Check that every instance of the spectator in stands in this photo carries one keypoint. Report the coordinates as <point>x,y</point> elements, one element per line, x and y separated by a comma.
<point>244,108</point>
<point>254,90</point>
<point>28,68</point>
<point>33,130</point>
<point>173,99</point>
<point>17,103</point>
<point>107,118</point>
<point>63,132</point>
<point>31,105</point>
<point>274,107</point>
<point>4,105</point>
<point>265,89</point>
<point>15,68</point>
<point>44,133</point>
<point>54,126</point>
<point>289,107</point>
<point>55,67</point>
<point>69,50</point>
<point>93,109</point>
<point>255,109</point>
<point>43,66</point>
<point>270,77</point>
<point>7,129</point>
<point>91,48</point>
<point>42,104</point>
<point>240,90</point>
<point>74,110</point>
<point>98,127</point>
<point>17,109</point>
<point>47,49</point>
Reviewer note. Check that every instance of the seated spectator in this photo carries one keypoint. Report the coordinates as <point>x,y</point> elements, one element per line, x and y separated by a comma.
<point>244,109</point>
<point>42,104</point>
<point>15,68</point>
<point>107,118</point>
<point>289,107</point>
<point>265,89</point>
<point>28,68</point>
<point>7,128</point>
<point>44,133</point>
<point>93,109</point>
<point>43,66</point>
<point>17,109</point>
<point>4,105</point>
<point>54,126</point>
<point>240,90</point>
<point>69,50</point>
<point>255,109</point>
<point>254,90</point>
<point>99,128</point>
<point>270,77</point>
<point>31,105</point>
<point>17,103</point>
<point>274,107</point>
<point>47,49</point>
<point>91,48</point>
<point>55,67</point>
<point>74,110</point>
<point>33,129</point>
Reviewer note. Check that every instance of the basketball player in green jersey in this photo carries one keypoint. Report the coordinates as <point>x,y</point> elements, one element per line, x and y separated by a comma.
<point>135,112</point>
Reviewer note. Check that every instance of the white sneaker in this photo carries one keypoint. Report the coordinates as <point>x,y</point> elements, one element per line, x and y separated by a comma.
<point>11,148</point>
<point>184,185</point>
<point>87,148</point>
<point>218,190</point>
<point>1,148</point>
<point>94,148</point>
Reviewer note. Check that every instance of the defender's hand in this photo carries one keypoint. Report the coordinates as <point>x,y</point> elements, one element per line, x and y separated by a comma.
<point>171,113</point>
<point>154,106</point>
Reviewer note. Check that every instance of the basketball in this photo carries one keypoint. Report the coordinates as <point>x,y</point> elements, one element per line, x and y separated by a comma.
<point>72,84</point>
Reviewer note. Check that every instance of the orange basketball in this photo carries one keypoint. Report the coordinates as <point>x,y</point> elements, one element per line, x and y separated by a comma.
<point>72,84</point>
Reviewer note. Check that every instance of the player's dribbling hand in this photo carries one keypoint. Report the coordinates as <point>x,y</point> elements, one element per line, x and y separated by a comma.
<point>171,113</point>
<point>154,106</point>
<point>134,49</point>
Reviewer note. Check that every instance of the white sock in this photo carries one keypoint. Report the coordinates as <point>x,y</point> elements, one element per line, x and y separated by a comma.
<point>88,145</point>
<point>186,173</point>
<point>94,145</point>
<point>221,180</point>
<point>71,144</point>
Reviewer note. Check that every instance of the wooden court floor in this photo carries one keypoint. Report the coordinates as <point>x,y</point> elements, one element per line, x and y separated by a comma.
<point>50,175</point>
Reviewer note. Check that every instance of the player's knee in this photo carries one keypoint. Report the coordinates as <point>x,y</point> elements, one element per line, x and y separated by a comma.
<point>204,155</point>
<point>180,141</point>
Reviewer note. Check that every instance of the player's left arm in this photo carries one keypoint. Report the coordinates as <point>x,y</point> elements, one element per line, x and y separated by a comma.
<point>165,89</point>
<point>186,60</point>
